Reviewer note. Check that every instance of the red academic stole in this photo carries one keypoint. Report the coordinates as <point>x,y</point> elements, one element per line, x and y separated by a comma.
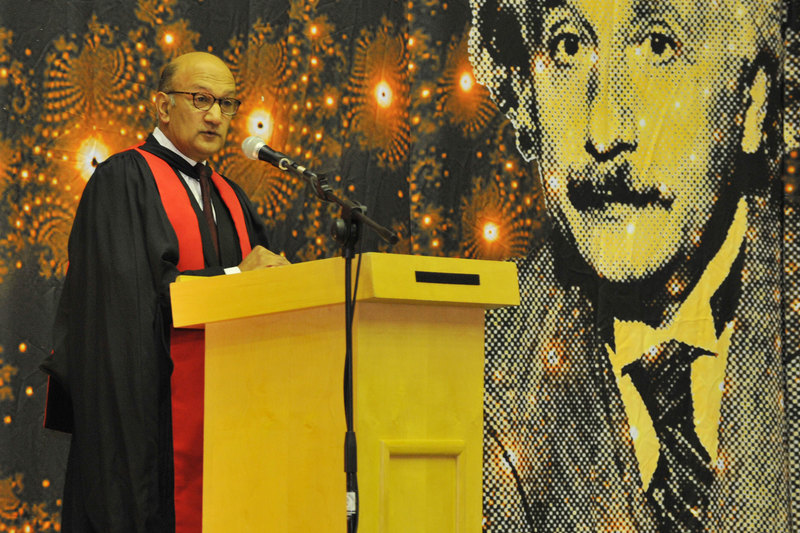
<point>186,345</point>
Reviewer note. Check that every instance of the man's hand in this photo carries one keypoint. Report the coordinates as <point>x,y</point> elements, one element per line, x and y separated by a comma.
<point>260,257</point>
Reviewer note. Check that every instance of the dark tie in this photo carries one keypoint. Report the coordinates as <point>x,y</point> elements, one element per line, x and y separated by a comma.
<point>204,175</point>
<point>679,489</point>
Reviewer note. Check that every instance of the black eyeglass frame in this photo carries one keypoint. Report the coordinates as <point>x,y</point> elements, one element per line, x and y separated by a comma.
<point>233,101</point>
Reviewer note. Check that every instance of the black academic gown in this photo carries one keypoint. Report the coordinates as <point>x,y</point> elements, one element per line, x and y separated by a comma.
<point>110,369</point>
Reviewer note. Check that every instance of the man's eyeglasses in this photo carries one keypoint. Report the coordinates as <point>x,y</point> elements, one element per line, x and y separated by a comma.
<point>204,102</point>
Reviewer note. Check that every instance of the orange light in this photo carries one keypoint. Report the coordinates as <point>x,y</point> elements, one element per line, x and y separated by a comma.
<point>491,232</point>
<point>169,38</point>
<point>426,220</point>
<point>466,82</point>
<point>329,101</point>
<point>314,30</point>
<point>90,154</point>
<point>261,123</point>
<point>383,94</point>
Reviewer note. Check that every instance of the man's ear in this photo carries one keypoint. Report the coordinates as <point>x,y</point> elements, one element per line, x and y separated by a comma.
<point>756,113</point>
<point>163,102</point>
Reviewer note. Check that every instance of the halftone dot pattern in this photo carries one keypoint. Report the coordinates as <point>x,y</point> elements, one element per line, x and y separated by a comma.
<point>658,132</point>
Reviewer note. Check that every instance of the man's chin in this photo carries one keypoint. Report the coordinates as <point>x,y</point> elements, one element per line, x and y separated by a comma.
<point>625,260</point>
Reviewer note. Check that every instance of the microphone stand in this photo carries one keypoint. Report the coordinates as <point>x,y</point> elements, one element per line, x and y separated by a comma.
<point>346,230</point>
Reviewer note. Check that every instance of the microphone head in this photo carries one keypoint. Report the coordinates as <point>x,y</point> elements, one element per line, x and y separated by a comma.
<point>252,145</point>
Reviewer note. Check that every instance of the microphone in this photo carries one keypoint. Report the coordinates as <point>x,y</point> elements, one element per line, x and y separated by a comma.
<point>255,148</point>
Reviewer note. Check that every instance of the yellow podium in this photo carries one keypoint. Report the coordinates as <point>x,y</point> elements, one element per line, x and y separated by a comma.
<point>274,408</point>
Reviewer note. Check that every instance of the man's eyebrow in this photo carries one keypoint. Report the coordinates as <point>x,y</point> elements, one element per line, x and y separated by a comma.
<point>648,9</point>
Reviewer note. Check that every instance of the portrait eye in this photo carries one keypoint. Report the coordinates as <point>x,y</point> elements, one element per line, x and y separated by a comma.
<point>203,98</point>
<point>564,47</point>
<point>660,47</point>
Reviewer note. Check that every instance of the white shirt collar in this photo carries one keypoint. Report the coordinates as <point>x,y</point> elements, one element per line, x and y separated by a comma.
<point>166,143</point>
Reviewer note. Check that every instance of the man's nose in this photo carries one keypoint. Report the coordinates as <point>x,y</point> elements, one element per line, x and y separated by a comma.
<point>214,113</point>
<point>610,95</point>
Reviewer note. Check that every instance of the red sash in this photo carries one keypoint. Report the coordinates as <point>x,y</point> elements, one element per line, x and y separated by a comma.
<point>186,345</point>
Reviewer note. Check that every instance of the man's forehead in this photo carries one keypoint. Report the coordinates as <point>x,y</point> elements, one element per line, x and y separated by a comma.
<point>689,10</point>
<point>206,76</point>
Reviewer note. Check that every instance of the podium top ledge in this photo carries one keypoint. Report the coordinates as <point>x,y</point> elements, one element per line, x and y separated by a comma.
<point>390,278</point>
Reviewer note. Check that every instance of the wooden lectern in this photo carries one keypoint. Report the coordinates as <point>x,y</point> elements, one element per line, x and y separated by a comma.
<point>274,408</point>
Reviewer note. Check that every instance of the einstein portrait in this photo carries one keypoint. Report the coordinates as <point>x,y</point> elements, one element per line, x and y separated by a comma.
<point>638,386</point>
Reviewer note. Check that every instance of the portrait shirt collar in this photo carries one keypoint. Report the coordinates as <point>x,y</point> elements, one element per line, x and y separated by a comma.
<point>693,324</point>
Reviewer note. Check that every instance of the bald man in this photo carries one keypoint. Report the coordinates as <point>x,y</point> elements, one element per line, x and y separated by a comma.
<point>123,382</point>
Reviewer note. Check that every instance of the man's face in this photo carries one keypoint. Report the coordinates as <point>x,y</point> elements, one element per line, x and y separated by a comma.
<point>197,134</point>
<point>639,117</point>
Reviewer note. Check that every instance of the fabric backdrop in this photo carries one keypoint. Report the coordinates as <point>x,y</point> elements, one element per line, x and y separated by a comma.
<point>379,94</point>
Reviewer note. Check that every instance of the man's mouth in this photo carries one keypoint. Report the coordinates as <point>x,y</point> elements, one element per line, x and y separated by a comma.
<point>614,188</point>
<point>214,133</point>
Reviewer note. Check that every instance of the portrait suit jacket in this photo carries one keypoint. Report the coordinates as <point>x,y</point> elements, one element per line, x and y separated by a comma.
<point>558,454</point>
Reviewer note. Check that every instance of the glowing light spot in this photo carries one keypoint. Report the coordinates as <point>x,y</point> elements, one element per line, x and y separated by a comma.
<point>45,483</point>
<point>435,243</point>
<point>25,174</point>
<point>318,136</point>
<point>426,220</point>
<point>314,61</point>
<point>631,228</point>
<point>7,419</point>
<point>491,232</point>
<point>410,41</point>
<point>169,38</point>
<point>4,72</point>
<point>411,65</point>
<point>426,93</point>
<point>634,432</point>
<point>90,154</point>
<point>23,347</point>
<point>509,165</point>
<point>383,94</point>
<point>260,122</point>
<point>466,82</point>
<point>329,101</point>
<point>314,30</point>
<point>29,391</point>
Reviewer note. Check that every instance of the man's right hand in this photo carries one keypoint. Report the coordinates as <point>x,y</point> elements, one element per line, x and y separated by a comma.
<point>259,258</point>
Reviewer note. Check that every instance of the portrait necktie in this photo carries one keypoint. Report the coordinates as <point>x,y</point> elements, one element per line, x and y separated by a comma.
<point>679,489</point>
<point>204,176</point>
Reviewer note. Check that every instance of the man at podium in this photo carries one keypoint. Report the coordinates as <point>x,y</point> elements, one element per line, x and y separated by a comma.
<point>639,385</point>
<point>126,384</point>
